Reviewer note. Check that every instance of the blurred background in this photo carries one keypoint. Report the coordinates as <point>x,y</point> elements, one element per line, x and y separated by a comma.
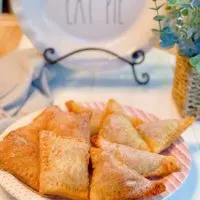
<point>10,32</point>
<point>5,5</point>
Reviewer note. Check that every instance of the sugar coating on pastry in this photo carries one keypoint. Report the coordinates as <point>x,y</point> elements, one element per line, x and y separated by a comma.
<point>19,150</point>
<point>71,125</point>
<point>63,166</point>
<point>96,117</point>
<point>117,128</point>
<point>160,134</point>
<point>19,154</point>
<point>145,163</point>
<point>112,180</point>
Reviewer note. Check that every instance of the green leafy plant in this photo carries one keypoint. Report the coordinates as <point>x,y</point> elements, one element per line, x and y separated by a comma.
<point>159,18</point>
<point>180,27</point>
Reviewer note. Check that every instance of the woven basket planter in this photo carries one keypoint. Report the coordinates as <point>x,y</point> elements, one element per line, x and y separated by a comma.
<point>186,88</point>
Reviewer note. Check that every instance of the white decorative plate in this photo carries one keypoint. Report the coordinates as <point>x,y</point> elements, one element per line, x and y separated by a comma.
<point>121,26</point>
<point>173,182</point>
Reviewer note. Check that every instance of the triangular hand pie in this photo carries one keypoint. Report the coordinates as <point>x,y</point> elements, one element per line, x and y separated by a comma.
<point>19,152</point>
<point>48,114</point>
<point>64,156</point>
<point>117,128</point>
<point>113,180</point>
<point>114,107</point>
<point>95,118</point>
<point>98,115</point>
<point>71,125</point>
<point>160,134</point>
<point>19,155</point>
<point>64,166</point>
<point>145,163</point>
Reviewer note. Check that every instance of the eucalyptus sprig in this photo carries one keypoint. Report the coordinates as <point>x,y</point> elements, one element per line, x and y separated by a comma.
<point>181,27</point>
<point>159,18</point>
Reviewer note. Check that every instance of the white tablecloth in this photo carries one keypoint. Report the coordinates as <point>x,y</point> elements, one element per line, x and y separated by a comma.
<point>154,97</point>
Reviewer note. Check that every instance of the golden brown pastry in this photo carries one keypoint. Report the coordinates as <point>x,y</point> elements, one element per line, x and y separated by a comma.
<point>117,128</point>
<point>73,106</point>
<point>145,163</point>
<point>48,114</point>
<point>98,115</point>
<point>160,134</point>
<point>112,180</point>
<point>71,125</point>
<point>19,153</point>
<point>95,118</point>
<point>64,166</point>
<point>64,156</point>
<point>137,122</point>
<point>114,107</point>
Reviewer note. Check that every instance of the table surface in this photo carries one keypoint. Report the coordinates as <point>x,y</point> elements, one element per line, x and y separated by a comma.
<point>154,98</point>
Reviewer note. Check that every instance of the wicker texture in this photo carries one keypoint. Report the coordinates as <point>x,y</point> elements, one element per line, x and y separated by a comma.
<point>193,99</point>
<point>186,88</point>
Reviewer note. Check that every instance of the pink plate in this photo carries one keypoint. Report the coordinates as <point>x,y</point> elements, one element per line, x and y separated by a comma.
<point>173,182</point>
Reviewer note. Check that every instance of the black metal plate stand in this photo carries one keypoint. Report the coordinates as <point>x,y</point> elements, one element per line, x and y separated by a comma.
<point>138,57</point>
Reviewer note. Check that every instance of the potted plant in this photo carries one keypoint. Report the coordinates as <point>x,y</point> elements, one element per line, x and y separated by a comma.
<point>181,28</point>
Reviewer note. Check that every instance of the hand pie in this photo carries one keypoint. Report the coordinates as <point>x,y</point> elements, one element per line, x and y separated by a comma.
<point>75,107</point>
<point>48,114</point>
<point>64,166</point>
<point>117,128</point>
<point>112,180</point>
<point>19,152</point>
<point>159,135</point>
<point>98,115</point>
<point>19,155</point>
<point>145,163</point>
<point>113,107</point>
<point>95,118</point>
<point>71,125</point>
<point>64,156</point>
